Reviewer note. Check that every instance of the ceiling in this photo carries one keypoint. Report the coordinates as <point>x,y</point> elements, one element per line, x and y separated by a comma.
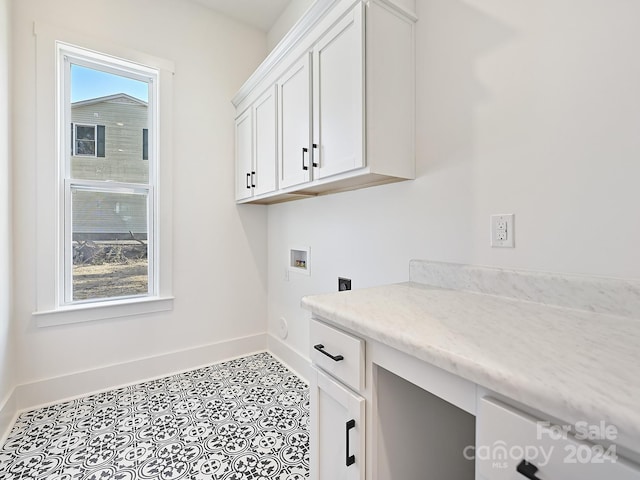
<point>261,14</point>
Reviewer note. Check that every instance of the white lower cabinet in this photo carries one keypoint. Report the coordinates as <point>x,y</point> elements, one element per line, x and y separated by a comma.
<point>512,445</point>
<point>338,353</point>
<point>337,444</point>
<point>425,423</point>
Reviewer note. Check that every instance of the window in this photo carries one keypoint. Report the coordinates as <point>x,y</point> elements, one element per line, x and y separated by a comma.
<point>108,223</point>
<point>145,144</point>
<point>104,217</point>
<point>84,142</point>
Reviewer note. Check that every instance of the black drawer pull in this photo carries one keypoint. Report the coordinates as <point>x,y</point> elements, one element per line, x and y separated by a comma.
<point>313,157</point>
<point>248,175</point>
<point>253,184</point>
<point>528,470</point>
<point>304,150</point>
<point>335,358</point>
<point>350,459</point>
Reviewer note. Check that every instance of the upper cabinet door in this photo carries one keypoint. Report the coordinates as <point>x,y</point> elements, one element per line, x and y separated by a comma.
<point>294,121</point>
<point>244,155</point>
<point>265,134</point>
<point>338,103</point>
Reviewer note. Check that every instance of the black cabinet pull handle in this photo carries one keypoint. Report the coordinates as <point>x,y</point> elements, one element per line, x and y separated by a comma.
<point>313,155</point>
<point>248,175</point>
<point>528,470</point>
<point>335,358</point>
<point>304,150</point>
<point>253,174</point>
<point>350,459</point>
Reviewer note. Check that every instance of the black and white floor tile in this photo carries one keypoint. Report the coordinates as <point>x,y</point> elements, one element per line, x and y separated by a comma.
<point>245,419</point>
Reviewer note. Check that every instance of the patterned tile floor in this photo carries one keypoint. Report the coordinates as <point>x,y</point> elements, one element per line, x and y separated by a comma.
<point>245,419</point>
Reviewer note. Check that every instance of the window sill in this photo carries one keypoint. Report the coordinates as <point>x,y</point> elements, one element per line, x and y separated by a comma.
<point>102,311</point>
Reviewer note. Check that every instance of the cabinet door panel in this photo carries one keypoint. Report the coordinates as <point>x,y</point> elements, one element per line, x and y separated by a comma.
<point>265,124</point>
<point>244,155</point>
<point>332,407</point>
<point>295,118</point>
<point>506,437</point>
<point>338,97</point>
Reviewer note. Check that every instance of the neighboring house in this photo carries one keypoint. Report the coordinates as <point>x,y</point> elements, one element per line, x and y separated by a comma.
<point>109,141</point>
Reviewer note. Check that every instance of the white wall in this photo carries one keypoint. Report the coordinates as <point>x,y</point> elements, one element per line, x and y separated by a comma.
<point>7,366</point>
<point>286,20</point>
<point>219,253</point>
<point>530,108</point>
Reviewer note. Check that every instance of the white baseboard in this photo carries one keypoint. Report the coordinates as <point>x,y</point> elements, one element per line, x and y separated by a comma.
<point>66,387</point>
<point>297,362</point>
<point>8,414</point>
<point>58,389</point>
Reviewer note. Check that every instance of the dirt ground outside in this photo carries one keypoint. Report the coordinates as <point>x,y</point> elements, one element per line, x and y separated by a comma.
<point>110,279</point>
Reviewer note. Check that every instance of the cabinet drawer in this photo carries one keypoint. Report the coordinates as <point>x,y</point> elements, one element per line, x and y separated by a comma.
<point>506,437</point>
<point>338,353</point>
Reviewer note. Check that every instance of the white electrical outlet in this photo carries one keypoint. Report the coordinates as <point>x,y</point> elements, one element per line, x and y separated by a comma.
<point>502,230</point>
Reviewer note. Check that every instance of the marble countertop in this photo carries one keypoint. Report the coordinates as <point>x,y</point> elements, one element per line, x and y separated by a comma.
<point>574,365</point>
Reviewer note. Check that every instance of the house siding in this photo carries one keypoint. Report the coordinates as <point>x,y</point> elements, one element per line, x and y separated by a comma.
<point>105,216</point>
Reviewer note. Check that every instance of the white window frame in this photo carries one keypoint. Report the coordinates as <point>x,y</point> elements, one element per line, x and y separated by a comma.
<point>69,55</point>
<point>75,140</point>
<point>53,247</point>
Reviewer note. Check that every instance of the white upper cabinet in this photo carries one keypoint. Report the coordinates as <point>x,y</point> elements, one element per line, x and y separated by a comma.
<point>244,155</point>
<point>256,147</point>
<point>295,117</point>
<point>265,130</point>
<point>338,93</point>
<point>344,80</point>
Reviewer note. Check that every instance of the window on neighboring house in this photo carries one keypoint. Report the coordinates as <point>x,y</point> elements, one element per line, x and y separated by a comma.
<point>108,226</point>
<point>85,140</point>
<point>145,144</point>
<point>88,140</point>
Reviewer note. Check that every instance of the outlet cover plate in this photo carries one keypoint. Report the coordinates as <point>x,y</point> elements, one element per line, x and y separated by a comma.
<point>344,284</point>
<point>502,231</point>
